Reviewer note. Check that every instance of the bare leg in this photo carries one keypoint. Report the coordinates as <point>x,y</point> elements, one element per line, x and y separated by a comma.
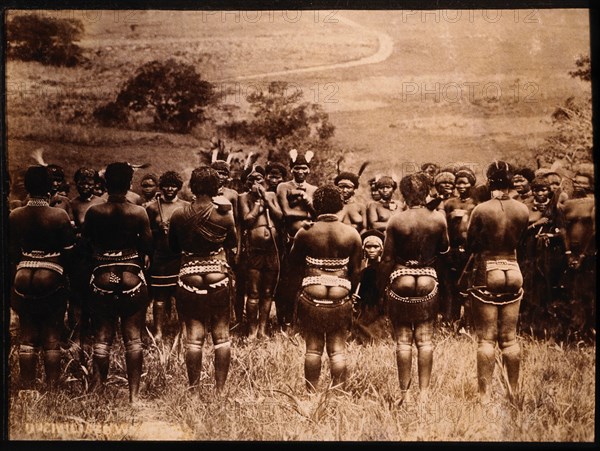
<point>423,336</point>
<point>28,358</point>
<point>336,349</point>
<point>131,329</point>
<point>159,317</point>
<point>195,334</point>
<point>315,342</point>
<point>485,321</point>
<point>220,337</point>
<point>511,351</point>
<point>403,334</point>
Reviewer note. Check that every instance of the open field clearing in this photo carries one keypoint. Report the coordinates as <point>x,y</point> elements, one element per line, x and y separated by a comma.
<point>265,398</point>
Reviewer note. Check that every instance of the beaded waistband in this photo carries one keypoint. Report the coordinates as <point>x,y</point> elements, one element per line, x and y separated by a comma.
<point>328,264</point>
<point>40,254</point>
<point>413,300</point>
<point>40,265</point>
<point>328,281</point>
<point>116,255</point>
<point>415,272</point>
<point>323,302</point>
<point>203,267</point>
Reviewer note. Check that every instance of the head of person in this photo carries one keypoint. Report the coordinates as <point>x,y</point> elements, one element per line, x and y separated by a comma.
<point>275,173</point>
<point>100,186</point>
<point>465,180</point>
<point>521,180</point>
<point>372,244</point>
<point>85,181</point>
<point>255,179</point>
<point>327,199</point>
<point>57,175</point>
<point>373,189</point>
<point>499,176</point>
<point>415,188</point>
<point>583,182</point>
<point>444,183</point>
<point>554,181</point>
<point>149,185</point>
<point>347,182</point>
<point>204,182</point>
<point>540,189</point>
<point>118,178</point>
<point>300,164</point>
<point>223,170</point>
<point>386,187</point>
<point>431,170</point>
<point>38,181</point>
<point>170,183</point>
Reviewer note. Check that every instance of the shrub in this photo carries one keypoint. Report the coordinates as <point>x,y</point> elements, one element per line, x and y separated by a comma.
<point>172,92</point>
<point>46,40</point>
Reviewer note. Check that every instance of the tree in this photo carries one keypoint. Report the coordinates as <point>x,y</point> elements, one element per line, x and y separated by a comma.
<point>172,92</point>
<point>572,141</point>
<point>46,40</point>
<point>280,113</point>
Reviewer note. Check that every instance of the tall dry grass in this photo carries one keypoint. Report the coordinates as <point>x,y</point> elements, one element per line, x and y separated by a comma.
<point>265,397</point>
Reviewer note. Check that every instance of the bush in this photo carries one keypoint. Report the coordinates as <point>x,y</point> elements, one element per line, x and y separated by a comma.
<point>172,92</point>
<point>46,40</point>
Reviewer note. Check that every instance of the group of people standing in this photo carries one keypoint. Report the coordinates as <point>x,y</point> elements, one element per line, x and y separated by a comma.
<point>445,246</point>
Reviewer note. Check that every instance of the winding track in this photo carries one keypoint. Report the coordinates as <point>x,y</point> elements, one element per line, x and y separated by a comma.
<point>385,49</point>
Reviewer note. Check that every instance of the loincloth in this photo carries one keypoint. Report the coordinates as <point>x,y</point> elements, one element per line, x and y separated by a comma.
<point>324,315</point>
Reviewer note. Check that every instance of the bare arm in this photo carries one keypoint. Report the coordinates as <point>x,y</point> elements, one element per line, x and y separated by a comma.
<point>387,259</point>
<point>173,239</point>
<point>473,232</point>
<point>355,262</point>
<point>273,205</point>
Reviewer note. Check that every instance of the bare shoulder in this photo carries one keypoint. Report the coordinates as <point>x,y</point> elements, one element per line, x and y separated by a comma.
<point>152,206</point>
<point>268,194</point>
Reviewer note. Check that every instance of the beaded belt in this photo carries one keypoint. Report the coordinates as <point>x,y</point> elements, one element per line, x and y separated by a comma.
<point>210,254</point>
<point>413,300</point>
<point>485,296</point>
<point>40,254</point>
<point>115,256</point>
<point>323,302</point>
<point>328,281</point>
<point>503,265</point>
<point>203,267</point>
<point>40,264</point>
<point>328,264</point>
<point>416,272</point>
<point>213,286</point>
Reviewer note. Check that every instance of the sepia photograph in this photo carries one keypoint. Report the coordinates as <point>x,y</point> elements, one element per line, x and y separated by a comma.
<point>299,225</point>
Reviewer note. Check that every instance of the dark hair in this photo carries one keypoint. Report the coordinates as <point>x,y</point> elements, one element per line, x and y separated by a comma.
<point>466,174</point>
<point>275,166</point>
<point>539,182</point>
<point>327,199</point>
<point>85,173</point>
<point>38,181</point>
<point>150,176</point>
<point>527,173</point>
<point>383,181</point>
<point>204,180</point>
<point>170,178</point>
<point>220,165</point>
<point>346,176</point>
<point>415,188</point>
<point>56,172</point>
<point>118,177</point>
<point>499,175</point>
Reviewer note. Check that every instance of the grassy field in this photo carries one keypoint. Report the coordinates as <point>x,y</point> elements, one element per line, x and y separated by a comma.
<point>265,398</point>
<point>526,63</point>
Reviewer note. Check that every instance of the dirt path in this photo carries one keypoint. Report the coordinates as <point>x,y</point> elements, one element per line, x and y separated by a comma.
<point>385,49</point>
